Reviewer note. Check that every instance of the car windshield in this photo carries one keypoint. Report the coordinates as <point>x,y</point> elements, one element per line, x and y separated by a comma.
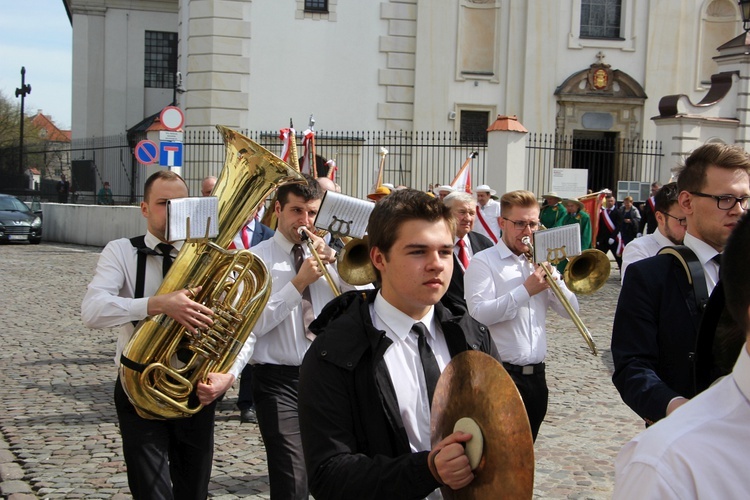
<point>13,204</point>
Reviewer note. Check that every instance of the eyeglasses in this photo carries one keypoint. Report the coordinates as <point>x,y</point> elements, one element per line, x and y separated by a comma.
<point>680,221</point>
<point>521,224</point>
<point>725,202</point>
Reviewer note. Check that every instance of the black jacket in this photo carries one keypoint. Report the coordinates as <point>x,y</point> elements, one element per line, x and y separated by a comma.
<point>653,337</point>
<point>604,234</point>
<point>454,297</point>
<point>353,437</point>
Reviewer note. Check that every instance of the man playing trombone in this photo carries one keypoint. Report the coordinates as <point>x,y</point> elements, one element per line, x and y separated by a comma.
<point>299,290</point>
<point>507,293</point>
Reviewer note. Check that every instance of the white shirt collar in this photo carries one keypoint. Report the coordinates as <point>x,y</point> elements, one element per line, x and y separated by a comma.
<point>284,243</point>
<point>703,250</point>
<point>399,322</point>
<point>151,242</point>
<point>741,372</point>
<point>662,240</point>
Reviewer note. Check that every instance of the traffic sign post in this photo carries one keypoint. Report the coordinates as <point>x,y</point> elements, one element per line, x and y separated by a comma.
<point>146,152</point>
<point>172,118</point>
<point>170,154</point>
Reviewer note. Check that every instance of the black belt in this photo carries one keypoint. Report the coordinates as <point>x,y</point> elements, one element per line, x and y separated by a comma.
<point>291,370</point>
<point>524,370</point>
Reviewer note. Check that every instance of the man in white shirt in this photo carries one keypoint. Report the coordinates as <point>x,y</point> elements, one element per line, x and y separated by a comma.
<point>671,225</point>
<point>367,382</point>
<point>701,450</point>
<point>297,297</point>
<point>164,458</point>
<point>510,295</point>
<point>488,213</point>
<point>658,315</point>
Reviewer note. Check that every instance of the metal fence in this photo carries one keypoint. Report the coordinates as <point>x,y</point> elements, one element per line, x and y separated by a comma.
<point>414,159</point>
<point>607,160</point>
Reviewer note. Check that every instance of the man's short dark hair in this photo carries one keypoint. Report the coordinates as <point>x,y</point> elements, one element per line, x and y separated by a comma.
<point>166,175</point>
<point>402,206</point>
<point>735,273</point>
<point>308,191</point>
<point>691,176</point>
<point>665,197</point>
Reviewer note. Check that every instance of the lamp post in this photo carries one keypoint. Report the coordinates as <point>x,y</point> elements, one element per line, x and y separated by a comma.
<point>745,11</point>
<point>23,91</point>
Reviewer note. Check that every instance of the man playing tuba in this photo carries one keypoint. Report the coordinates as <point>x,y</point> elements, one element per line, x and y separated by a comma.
<point>164,458</point>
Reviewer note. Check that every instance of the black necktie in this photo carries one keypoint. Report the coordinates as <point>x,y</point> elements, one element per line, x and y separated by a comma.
<point>717,259</point>
<point>307,310</point>
<point>165,249</point>
<point>429,364</point>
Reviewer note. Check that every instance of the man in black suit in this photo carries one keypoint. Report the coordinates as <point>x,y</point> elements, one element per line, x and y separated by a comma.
<point>657,316</point>
<point>648,212</point>
<point>466,242</point>
<point>608,235</point>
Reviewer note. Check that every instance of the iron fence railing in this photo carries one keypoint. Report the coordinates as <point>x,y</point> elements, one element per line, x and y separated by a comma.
<point>607,160</point>
<point>414,159</point>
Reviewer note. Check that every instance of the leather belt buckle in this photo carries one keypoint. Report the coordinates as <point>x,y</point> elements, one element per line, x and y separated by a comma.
<point>527,370</point>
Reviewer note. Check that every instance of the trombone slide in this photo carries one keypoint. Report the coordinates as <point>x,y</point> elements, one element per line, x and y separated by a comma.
<point>565,302</point>
<point>303,235</point>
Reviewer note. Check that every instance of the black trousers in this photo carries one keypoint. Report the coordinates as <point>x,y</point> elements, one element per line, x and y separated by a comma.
<point>604,246</point>
<point>275,395</point>
<point>245,395</point>
<point>535,395</point>
<point>166,459</point>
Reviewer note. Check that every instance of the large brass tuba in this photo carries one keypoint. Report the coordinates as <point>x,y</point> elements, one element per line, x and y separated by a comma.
<point>164,360</point>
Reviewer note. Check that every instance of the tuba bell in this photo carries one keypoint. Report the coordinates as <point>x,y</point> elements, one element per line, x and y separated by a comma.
<point>163,361</point>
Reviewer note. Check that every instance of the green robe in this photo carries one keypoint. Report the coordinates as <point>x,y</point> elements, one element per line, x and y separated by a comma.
<point>551,215</point>
<point>584,220</point>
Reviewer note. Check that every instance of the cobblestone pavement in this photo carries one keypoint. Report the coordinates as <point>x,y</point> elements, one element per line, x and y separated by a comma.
<point>59,437</point>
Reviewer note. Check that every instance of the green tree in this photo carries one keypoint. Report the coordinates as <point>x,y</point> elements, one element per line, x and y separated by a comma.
<point>10,132</point>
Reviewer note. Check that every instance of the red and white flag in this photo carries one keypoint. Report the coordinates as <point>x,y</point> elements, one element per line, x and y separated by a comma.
<point>308,144</point>
<point>332,169</point>
<point>286,134</point>
<point>592,203</point>
<point>462,181</point>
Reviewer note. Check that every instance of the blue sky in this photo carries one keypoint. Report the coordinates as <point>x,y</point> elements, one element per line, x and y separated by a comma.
<point>36,34</point>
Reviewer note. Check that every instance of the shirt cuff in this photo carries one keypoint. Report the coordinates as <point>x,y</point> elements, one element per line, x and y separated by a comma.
<point>139,308</point>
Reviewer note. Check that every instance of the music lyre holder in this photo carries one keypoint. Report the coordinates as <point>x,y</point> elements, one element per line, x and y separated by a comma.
<point>202,239</point>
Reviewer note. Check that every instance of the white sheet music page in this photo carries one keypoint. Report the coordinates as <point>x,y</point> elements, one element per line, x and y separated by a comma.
<point>199,210</point>
<point>344,215</point>
<point>557,243</point>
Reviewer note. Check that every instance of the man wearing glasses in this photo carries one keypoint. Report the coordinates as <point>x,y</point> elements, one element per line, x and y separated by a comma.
<point>657,317</point>
<point>670,228</point>
<point>510,295</point>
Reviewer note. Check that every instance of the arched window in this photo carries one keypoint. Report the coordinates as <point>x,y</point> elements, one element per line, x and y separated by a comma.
<point>718,24</point>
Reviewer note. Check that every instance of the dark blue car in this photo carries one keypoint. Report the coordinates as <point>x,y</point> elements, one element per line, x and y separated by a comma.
<point>18,222</point>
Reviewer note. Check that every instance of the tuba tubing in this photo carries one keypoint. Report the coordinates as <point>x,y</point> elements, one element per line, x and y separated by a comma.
<point>163,361</point>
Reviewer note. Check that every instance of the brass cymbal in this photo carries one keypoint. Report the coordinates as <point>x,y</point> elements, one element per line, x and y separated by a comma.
<point>475,385</point>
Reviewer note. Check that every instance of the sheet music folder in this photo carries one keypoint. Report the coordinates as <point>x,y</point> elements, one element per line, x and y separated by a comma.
<point>557,243</point>
<point>343,215</point>
<point>199,210</point>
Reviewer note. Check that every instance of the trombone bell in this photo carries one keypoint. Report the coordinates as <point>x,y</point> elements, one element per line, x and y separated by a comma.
<point>354,263</point>
<point>587,272</point>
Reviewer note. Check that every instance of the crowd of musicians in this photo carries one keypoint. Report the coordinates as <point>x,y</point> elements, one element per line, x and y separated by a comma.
<point>341,386</point>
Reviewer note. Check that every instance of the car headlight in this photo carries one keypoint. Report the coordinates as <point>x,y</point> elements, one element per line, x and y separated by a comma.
<point>37,223</point>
